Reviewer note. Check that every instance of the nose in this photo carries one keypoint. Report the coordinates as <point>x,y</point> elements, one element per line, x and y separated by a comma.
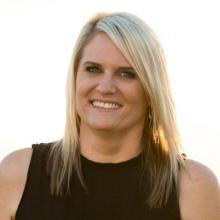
<point>106,85</point>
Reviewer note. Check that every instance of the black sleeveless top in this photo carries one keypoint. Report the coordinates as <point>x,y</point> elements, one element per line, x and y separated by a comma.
<point>114,193</point>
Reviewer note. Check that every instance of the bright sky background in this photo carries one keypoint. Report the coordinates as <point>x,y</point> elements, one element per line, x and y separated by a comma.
<point>36,41</point>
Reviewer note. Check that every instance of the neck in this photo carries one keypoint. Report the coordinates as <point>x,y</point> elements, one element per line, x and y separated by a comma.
<point>109,146</point>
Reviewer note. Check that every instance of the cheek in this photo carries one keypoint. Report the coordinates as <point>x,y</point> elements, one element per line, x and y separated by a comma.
<point>79,94</point>
<point>140,101</point>
<point>83,85</point>
<point>136,95</point>
<point>83,91</point>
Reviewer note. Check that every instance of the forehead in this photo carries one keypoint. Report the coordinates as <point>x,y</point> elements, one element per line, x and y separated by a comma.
<point>102,50</point>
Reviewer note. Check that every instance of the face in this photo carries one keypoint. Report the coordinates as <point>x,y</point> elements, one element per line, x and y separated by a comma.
<point>109,94</point>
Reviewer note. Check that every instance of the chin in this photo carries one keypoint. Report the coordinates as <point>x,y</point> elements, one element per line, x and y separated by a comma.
<point>103,128</point>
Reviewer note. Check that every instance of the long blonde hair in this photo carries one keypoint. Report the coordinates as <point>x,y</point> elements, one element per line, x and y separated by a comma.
<point>141,47</point>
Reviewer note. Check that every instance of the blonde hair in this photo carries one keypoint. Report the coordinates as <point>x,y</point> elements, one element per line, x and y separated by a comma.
<point>142,49</point>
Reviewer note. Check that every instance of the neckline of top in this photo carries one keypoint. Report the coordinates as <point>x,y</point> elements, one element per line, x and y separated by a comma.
<point>126,163</point>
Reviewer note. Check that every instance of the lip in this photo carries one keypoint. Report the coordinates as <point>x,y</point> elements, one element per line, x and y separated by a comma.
<point>107,101</point>
<point>104,110</point>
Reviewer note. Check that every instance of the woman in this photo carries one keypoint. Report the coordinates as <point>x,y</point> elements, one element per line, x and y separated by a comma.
<point>120,156</point>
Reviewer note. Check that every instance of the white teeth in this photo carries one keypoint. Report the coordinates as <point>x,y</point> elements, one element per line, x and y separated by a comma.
<point>105,105</point>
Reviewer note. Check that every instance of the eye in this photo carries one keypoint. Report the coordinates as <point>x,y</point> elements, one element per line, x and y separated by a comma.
<point>128,74</point>
<point>93,69</point>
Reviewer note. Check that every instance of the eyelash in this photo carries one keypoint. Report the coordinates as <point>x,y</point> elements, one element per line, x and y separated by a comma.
<point>92,68</point>
<point>124,74</point>
<point>128,75</point>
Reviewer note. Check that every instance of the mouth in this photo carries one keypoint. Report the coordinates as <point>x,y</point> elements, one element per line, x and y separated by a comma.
<point>105,104</point>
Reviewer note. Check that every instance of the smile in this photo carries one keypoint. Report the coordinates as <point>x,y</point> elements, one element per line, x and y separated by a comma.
<point>106,105</point>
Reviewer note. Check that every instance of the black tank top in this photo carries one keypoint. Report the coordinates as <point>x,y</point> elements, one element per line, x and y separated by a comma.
<point>114,193</point>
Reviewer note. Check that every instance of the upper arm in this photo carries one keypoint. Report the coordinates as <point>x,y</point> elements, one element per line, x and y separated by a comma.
<point>13,174</point>
<point>199,193</point>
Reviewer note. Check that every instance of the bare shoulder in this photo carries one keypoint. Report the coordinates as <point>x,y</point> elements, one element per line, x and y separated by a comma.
<point>13,174</point>
<point>199,193</point>
<point>18,157</point>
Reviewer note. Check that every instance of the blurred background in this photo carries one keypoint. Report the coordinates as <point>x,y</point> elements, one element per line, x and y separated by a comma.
<point>36,42</point>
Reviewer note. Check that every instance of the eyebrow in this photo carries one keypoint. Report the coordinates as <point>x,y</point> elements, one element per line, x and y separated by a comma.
<point>99,65</point>
<point>91,63</point>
